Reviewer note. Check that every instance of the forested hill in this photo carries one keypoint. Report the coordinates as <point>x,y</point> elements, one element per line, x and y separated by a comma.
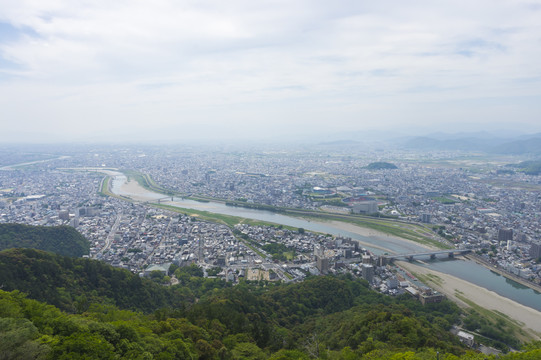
<point>72,284</point>
<point>63,240</point>
<point>231,329</point>
<point>532,167</point>
<point>82,308</point>
<point>320,318</point>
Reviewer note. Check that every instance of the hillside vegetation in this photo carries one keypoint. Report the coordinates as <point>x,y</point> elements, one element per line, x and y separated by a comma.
<point>59,307</point>
<point>72,284</point>
<point>63,240</point>
<point>479,143</point>
<point>237,324</point>
<point>532,167</point>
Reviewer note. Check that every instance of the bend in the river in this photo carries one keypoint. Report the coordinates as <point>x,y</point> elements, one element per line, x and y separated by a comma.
<point>466,270</point>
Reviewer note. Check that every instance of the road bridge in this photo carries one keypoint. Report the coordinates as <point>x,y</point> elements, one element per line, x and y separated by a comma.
<point>385,259</point>
<point>160,200</point>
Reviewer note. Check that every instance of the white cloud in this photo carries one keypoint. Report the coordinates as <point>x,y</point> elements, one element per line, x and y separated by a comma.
<point>249,64</point>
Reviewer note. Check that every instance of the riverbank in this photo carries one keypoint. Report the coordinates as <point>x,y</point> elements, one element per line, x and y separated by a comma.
<point>375,234</point>
<point>504,273</point>
<point>133,189</point>
<point>388,227</point>
<point>457,290</point>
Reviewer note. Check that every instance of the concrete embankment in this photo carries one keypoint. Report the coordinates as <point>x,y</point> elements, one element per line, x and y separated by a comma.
<point>504,273</point>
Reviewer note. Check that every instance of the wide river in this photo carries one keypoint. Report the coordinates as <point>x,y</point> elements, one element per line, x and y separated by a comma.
<point>466,270</point>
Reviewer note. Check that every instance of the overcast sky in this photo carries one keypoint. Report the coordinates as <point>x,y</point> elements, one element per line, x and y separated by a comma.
<point>134,69</point>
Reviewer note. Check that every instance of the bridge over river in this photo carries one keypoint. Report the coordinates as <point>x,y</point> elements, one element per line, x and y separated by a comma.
<point>385,259</point>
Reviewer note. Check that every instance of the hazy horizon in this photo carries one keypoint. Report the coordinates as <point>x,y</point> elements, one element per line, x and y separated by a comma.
<point>266,71</point>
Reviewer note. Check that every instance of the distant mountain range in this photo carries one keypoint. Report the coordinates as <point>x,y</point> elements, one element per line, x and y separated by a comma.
<point>484,142</point>
<point>340,143</point>
<point>493,142</point>
<point>520,146</point>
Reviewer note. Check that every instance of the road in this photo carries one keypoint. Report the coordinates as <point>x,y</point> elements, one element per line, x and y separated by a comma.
<point>111,236</point>
<point>161,241</point>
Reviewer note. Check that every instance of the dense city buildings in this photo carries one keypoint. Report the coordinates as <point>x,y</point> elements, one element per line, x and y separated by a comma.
<point>474,206</point>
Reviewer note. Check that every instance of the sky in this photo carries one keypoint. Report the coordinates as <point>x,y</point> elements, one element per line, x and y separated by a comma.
<point>101,70</point>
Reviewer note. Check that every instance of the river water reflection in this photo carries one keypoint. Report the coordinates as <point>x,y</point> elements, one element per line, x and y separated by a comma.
<point>480,275</point>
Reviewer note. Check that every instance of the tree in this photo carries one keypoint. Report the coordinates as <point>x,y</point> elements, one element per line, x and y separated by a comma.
<point>81,345</point>
<point>156,275</point>
<point>16,340</point>
<point>289,355</point>
<point>172,268</point>
<point>248,351</point>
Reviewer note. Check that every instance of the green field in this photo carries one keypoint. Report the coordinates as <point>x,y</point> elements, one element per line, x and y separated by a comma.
<point>105,187</point>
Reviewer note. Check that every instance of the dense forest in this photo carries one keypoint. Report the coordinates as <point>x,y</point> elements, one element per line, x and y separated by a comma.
<point>63,240</point>
<point>235,324</point>
<point>103,312</point>
<point>72,284</point>
<point>58,307</point>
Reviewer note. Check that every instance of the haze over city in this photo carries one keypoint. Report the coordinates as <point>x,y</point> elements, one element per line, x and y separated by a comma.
<point>135,71</point>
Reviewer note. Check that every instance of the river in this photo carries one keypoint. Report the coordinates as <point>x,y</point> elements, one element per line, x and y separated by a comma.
<point>466,270</point>
<point>14,166</point>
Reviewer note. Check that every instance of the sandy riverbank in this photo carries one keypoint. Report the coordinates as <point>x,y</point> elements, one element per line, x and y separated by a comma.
<point>135,191</point>
<point>376,235</point>
<point>487,299</point>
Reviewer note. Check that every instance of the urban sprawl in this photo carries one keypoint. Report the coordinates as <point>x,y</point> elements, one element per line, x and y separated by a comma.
<point>467,204</point>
